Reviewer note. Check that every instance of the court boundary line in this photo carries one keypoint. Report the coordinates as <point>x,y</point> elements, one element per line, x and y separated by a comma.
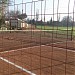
<point>21,68</point>
<point>17,66</point>
<point>29,30</point>
<point>34,47</point>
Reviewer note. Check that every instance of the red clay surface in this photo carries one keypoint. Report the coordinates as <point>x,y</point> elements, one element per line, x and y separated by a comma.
<point>53,57</point>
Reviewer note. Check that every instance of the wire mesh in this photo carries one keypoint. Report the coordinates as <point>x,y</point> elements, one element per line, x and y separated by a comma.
<point>37,37</point>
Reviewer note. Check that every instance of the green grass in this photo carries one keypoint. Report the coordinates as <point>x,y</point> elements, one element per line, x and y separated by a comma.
<point>55,28</point>
<point>60,30</point>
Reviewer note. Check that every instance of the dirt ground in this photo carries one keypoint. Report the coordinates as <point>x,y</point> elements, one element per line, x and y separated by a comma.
<point>36,54</point>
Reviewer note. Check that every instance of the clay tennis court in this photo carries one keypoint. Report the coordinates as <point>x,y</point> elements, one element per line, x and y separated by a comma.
<point>24,54</point>
<point>37,37</point>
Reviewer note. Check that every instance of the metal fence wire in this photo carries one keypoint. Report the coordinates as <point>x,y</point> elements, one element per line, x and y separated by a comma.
<point>37,37</point>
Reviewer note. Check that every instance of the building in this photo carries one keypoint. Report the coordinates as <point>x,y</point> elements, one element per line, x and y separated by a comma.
<point>15,23</point>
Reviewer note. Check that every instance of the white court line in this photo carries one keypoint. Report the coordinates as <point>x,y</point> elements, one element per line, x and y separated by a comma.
<point>34,47</point>
<point>17,66</point>
<point>25,30</point>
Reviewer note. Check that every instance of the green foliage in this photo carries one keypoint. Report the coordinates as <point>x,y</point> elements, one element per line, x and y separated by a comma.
<point>2,21</point>
<point>22,16</point>
<point>67,21</point>
<point>16,14</point>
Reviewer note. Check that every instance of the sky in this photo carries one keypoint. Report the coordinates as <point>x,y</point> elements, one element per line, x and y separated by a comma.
<point>48,11</point>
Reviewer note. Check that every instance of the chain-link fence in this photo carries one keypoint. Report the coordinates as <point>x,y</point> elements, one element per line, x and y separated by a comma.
<point>37,37</point>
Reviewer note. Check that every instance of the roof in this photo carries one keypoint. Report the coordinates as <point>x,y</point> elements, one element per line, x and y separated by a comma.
<point>7,19</point>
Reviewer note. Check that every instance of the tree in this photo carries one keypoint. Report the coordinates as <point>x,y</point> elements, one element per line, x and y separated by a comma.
<point>37,15</point>
<point>33,21</point>
<point>27,20</point>
<point>51,21</point>
<point>67,20</point>
<point>3,5</point>
<point>22,16</point>
<point>16,14</point>
<point>13,13</point>
<point>48,23</point>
